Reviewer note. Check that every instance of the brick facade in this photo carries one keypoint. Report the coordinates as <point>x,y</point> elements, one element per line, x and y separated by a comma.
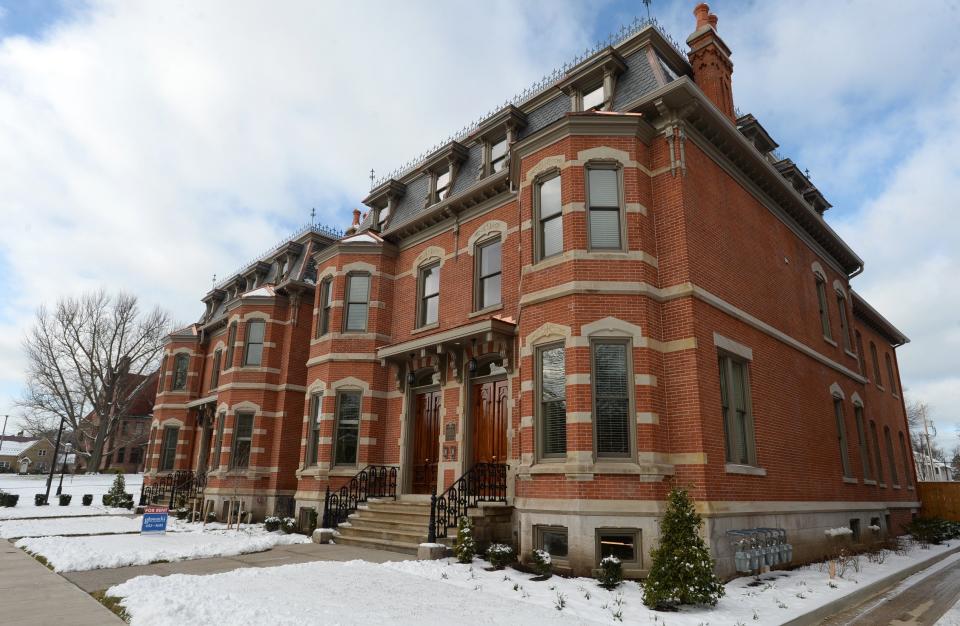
<point>720,256</point>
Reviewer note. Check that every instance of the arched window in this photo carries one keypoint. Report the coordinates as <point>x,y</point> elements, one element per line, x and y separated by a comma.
<point>876,451</point>
<point>876,365</point>
<point>888,440</point>
<point>844,326</point>
<point>231,340</point>
<point>488,273</point>
<point>842,436</point>
<point>891,379</point>
<point>907,467</point>
<point>180,365</point>
<point>821,285</point>
<point>326,306</point>
<point>548,208</point>
<point>865,457</point>
<point>428,294</point>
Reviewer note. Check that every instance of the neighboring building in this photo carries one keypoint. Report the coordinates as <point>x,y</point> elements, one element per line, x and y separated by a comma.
<point>126,446</point>
<point>25,455</point>
<point>608,288</point>
<point>935,471</point>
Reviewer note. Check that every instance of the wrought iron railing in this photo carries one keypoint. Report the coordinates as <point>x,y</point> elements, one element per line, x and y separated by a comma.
<point>484,482</point>
<point>171,487</point>
<point>373,481</point>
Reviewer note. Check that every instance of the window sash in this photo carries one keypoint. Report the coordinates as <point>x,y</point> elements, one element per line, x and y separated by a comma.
<point>908,474</point>
<point>442,185</point>
<point>864,444</point>
<point>498,156</point>
<point>552,400</point>
<point>242,438</point>
<point>429,295</point>
<point>218,442</point>
<point>313,444</point>
<point>215,371</point>
<point>326,304</point>
<point>231,341</point>
<point>891,379</point>
<point>611,398</point>
<point>181,364</point>
<point>358,302</point>
<point>877,456</point>
<point>861,357</point>
<point>550,218</point>
<point>844,328</point>
<point>876,365</point>
<point>253,352</point>
<point>168,450</point>
<point>489,273</point>
<point>553,539</point>
<point>593,98</point>
<point>824,313</point>
<point>842,437</point>
<point>888,440</point>
<point>603,192</point>
<point>347,435</point>
<point>737,415</point>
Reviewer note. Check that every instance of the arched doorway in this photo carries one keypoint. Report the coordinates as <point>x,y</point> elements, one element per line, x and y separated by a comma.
<point>489,396</point>
<point>425,422</point>
<point>24,466</point>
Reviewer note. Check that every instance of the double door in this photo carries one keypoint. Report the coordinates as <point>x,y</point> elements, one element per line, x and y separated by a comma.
<point>426,442</point>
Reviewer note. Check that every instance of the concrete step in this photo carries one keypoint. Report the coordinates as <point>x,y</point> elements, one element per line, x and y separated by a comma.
<point>379,522</point>
<point>414,537</point>
<point>377,544</point>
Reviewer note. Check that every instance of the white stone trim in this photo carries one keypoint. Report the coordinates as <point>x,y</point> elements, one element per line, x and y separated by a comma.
<point>733,347</point>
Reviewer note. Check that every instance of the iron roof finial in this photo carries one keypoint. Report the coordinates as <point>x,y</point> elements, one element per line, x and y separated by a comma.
<point>646,3</point>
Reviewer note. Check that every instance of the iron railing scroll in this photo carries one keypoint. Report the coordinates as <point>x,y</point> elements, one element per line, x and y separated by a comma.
<point>373,481</point>
<point>484,482</point>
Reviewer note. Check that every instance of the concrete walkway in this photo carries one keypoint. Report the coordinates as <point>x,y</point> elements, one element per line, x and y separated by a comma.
<point>101,579</point>
<point>32,594</point>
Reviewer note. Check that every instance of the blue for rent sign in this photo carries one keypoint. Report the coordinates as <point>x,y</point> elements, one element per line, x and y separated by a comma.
<point>154,520</point>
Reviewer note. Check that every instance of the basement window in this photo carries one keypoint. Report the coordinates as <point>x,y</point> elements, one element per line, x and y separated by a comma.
<point>553,539</point>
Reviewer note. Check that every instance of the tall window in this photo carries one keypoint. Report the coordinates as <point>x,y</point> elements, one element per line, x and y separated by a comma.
<point>163,373</point>
<point>231,341</point>
<point>429,288</point>
<point>860,356</point>
<point>313,439</point>
<point>864,443</point>
<point>822,303</point>
<point>498,156</point>
<point>168,451</point>
<point>549,218</point>
<point>253,353</point>
<point>891,379</point>
<point>441,184</point>
<point>876,450</point>
<point>347,434</point>
<point>358,302</point>
<point>888,441</point>
<point>180,364</point>
<point>489,269</point>
<point>844,328</point>
<point>611,399</point>
<point>735,404</point>
<point>876,365</point>
<point>326,306</point>
<point>842,436</point>
<point>603,185</point>
<point>218,442</point>
<point>242,436</point>
<point>215,369</point>
<point>552,405</point>
<point>121,454</point>
<point>907,468</point>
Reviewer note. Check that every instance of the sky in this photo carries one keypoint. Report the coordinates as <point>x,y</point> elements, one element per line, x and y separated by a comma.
<point>147,146</point>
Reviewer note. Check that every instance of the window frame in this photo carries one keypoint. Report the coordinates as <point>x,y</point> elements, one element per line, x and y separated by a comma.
<point>247,343</point>
<point>313,430</point>
<point>231,343</point>
<point>214,459</point>
<point>176,384</point>
<point>538,534</point>
<point>594,87</point>
<point>348,303</point>
<point>843,439</point>
<point>422,295</point>
<point>539,417</point>
<point>479,304</point>
<point>637,562</point>
<point>825,326</point>
<point>326,307</point>
<point>891,457</point>
<point>844,323</point>
<point>630,390</point>
<point>236,440</point>
<point>539,221</point>
<point>489,161</point>
<point>436,190</point>
<point>877,455</point>
<point>907,466</point>
<point>165,450</point>
<point>891,378</point>
<point>620,208</point>
<point>337,428</point>
<point>878,379</point>
<point>215,368</point>
<point>863,442</point>
<point>861,357</point>
<point>725,361</point>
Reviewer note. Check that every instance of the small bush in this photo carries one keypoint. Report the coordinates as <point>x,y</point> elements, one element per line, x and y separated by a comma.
<point>933,530</point>
<point>211,516</point>
<point>117,493</point>
<point>40,499</point>
<point>87,499</point>
<point>611,572</point>
<point>500,555</point>
<point>182,513</point>
<point>465,547</point>
<point>541,561</point>
<point>106,499</point>
<point>11,499</point>
<point>272,523</point>
<point>289,525</point>
<point>65,499</point>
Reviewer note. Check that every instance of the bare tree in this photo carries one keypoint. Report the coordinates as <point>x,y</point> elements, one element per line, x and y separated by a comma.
<point>922,429</point>
<point>85,359</point>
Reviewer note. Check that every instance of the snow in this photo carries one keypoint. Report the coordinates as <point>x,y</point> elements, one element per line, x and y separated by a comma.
<point>838,532</point>
<point>98,525</point>
<point>78,485</point>
<point>16,448</point>
<point>951,617</point>
<point>358,592</point>
<point>71,554</point>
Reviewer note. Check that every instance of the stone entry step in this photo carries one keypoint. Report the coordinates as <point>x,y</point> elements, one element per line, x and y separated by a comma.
<point>400,526</point>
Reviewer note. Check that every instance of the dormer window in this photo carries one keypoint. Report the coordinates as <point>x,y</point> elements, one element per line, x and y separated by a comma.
<point>441,186</point>
<point>384,215</point>
<point>498,156</point>
<point>593,99</point>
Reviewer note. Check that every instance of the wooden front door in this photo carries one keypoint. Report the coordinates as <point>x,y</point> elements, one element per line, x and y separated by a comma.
<point>490,422</point>
<point>426,442</point>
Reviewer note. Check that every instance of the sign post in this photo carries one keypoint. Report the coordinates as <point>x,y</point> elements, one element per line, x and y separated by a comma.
<point>154,520</point>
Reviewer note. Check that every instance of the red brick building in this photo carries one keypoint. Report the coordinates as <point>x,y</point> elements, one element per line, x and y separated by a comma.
<point>125,448</point>
<point>607,288</point>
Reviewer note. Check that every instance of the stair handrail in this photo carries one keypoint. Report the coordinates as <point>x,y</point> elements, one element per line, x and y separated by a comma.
<point>189,483</point>
<point>484,482</point>
<point>373,481</point>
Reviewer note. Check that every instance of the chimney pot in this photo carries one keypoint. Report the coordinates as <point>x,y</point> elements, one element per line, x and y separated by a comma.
<point>702,13</point>
<point>713,20</point>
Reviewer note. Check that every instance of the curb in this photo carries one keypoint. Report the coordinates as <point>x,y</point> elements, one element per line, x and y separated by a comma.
<point>866,592</point>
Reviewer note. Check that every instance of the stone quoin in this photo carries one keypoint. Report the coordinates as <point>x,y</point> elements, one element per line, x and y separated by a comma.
<point>613,285</point>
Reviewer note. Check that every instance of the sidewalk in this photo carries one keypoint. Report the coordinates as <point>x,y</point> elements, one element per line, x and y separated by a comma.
<point>30,594</point>
<point>102,579</point>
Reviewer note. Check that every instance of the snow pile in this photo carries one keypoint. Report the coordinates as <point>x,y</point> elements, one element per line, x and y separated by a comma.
<point>71,554</point>
<point>358,592</point>
<point>95,484</point>
<point>99,525</point>
<point>838,532</point>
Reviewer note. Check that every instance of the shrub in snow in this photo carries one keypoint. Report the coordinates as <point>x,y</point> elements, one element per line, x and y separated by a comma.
<point>118,492</point>
<point>289,525</point>
<point>65,499</point>
<point>8,499</point>
<point>611,572</point>
<point>464,547</point>
<point>542,562</point>
<point>838,532</point>
<point>682,570</point>
<point>182,512</point>
<point>39,499</point>
<point>211,516</point>
<point>500,555</point>
<point>87,499</point>
<point>927,530</point>
<point>272,523</point>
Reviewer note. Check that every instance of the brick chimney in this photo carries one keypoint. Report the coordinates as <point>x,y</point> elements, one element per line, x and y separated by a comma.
<point>710,59</point>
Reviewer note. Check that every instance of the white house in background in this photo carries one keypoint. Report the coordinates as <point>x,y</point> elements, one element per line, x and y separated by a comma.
<point>25,455</point>
<point>941,471</point>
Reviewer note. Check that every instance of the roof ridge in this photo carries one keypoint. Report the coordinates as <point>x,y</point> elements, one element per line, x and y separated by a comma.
<point>548,80</point>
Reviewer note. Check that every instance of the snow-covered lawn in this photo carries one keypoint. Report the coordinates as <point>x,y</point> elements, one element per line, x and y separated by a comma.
<point>70,554</point>
<point>441,592</point>
<point>96,484</point>
<point>100,525</point>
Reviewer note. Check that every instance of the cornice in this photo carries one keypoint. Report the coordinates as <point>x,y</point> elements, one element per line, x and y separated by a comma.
<point>863,311</point>
<point>492,129</point>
